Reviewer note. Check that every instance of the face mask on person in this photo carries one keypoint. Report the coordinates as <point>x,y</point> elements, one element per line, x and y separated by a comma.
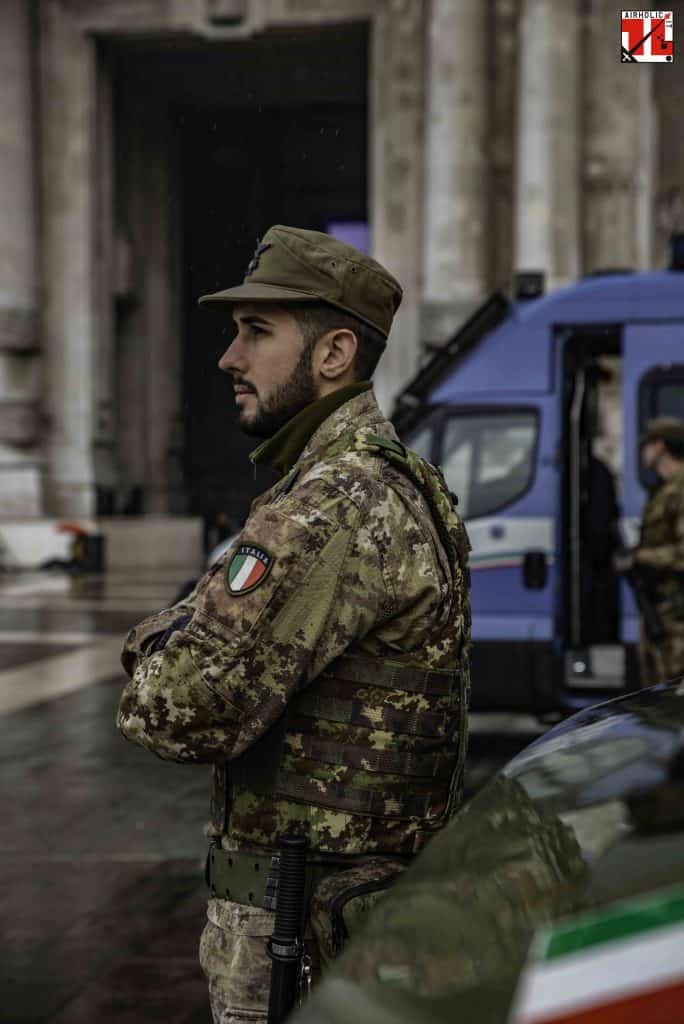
<point>650,476</point>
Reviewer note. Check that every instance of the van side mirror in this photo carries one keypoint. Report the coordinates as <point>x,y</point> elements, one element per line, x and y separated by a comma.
<point>535,570</point>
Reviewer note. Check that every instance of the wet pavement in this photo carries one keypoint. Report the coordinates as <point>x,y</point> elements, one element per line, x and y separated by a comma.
<point>101,845</point>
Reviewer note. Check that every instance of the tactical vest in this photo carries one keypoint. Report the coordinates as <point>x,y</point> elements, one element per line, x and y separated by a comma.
<point>374,737</point>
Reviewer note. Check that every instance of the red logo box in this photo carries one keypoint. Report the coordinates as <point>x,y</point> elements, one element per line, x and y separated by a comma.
<point>647,37</point>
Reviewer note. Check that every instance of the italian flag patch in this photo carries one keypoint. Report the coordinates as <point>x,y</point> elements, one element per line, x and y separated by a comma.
<point>248,567</point>
<point>621,965</point>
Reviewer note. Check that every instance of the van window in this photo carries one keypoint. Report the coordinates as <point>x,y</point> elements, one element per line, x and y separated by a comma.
<point>661,393</point>
<point>488,458</point>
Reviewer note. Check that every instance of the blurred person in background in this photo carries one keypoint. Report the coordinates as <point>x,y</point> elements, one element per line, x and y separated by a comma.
<point>659,556</point>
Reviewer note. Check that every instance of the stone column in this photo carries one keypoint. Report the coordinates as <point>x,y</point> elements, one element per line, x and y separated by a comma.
<point>396,179</point>
<point>669,171</point>
<point>163,318</point>
<point>104,397</point>
<point>547,193</point>
<point>149,435</point>
<point>503,68</point>
<point>69,266</point>
<point>456,166</point>
<point>619,145</point>
<point>20,491</point>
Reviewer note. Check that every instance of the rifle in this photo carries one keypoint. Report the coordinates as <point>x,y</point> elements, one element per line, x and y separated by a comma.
<point>285,947</point>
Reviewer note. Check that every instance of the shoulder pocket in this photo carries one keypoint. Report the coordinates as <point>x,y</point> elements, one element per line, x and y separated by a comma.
<point>269,559</point>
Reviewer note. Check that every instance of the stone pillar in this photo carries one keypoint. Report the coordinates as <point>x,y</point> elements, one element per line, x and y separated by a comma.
<point>163,319</point>
<point>503,68</point>
<point>396,179</point>
<point>148,332</point>
<point>547,189</point>
<point>669,170</point>
<point>69,267</point>
<point>104,397</point>
<point>20,490</point>
<point>456,166</point>
<point>619,145</point>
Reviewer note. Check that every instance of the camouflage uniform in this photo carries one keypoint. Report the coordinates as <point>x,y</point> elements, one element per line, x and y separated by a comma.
<point>321,666</point>
<point>661,553</point>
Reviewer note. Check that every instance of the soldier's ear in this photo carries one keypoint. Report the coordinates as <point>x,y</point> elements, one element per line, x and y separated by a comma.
<point>335,353</point>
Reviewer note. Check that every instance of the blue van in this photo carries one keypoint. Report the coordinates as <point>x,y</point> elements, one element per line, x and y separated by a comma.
<point>534,410</point>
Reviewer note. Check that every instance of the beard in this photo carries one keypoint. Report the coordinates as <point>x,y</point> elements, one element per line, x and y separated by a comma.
<point>289,398</point>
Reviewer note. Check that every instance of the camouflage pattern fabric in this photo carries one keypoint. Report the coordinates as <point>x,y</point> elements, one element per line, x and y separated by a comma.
<point>360,559</point>
<point>341,902</point>
<point>661,553</point>
<point>357,562</point>
<point>237,966</point>
<point>234,959</point>
<point>501,868</point>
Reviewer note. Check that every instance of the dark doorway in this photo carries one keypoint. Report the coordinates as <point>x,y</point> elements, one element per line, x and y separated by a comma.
<point>292,158</point>
<point>214,143</point>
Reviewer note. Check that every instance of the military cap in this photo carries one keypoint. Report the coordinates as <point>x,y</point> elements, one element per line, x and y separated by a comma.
<point>291,264</point>
<point>663,428</point>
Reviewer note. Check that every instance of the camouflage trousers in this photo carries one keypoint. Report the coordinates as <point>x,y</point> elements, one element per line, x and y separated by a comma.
<point>664,660</point>
<point>234,959</point>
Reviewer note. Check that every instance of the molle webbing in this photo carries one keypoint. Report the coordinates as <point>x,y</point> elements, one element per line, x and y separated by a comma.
<point>396,762</point>
<point>355,712</point>
<point>359,801</point>
<point>416,713</point>
<point>393,676</point>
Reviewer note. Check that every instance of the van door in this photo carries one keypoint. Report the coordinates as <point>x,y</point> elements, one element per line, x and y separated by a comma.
<point>653,385</point>
<point>588,624</point>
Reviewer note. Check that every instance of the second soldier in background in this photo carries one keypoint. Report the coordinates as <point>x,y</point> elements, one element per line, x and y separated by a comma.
<point>660,553</point>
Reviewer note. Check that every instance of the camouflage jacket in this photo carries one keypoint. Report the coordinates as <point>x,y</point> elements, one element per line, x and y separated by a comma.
<point>661,545</point>
<point>343,554</point>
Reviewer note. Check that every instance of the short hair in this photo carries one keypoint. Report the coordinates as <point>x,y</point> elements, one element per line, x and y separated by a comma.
<point>317,318</point>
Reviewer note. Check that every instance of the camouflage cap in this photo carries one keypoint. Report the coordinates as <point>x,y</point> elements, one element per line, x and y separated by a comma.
<point>309,266</point>
<point>663,428</point>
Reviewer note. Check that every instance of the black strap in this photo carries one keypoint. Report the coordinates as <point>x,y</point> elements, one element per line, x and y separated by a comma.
<point>359,801</point>
<point>219,798</point>
<point>397,762</point>
<point>393,676</point>
<point>356,712</point>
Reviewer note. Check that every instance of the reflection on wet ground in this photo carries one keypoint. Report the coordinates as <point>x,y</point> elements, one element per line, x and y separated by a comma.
<point>101,845</point>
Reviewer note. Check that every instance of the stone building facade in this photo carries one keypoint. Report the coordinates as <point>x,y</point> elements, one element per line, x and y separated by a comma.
<point>497,135</point>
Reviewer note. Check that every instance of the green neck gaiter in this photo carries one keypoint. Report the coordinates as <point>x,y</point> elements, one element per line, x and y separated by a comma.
<point>283,449</point>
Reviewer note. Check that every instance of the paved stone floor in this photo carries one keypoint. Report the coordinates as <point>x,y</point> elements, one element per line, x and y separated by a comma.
<point>101,845</point>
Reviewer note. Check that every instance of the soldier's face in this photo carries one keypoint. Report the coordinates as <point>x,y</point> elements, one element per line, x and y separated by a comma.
<point>270,366</point>
<point>650,454</point>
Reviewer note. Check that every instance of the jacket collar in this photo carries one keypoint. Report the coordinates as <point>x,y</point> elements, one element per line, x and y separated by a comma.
<point>359,413</point>
<point>316,428</point>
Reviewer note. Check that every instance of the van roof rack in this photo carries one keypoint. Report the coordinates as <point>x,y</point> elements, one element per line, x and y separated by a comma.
<point>410,403</point>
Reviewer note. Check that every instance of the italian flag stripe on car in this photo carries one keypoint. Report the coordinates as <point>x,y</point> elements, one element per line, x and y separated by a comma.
<point>623,965</point>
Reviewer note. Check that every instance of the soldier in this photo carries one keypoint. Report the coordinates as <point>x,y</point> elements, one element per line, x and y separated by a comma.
<point>321,666</point>
<point>659,556</point>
